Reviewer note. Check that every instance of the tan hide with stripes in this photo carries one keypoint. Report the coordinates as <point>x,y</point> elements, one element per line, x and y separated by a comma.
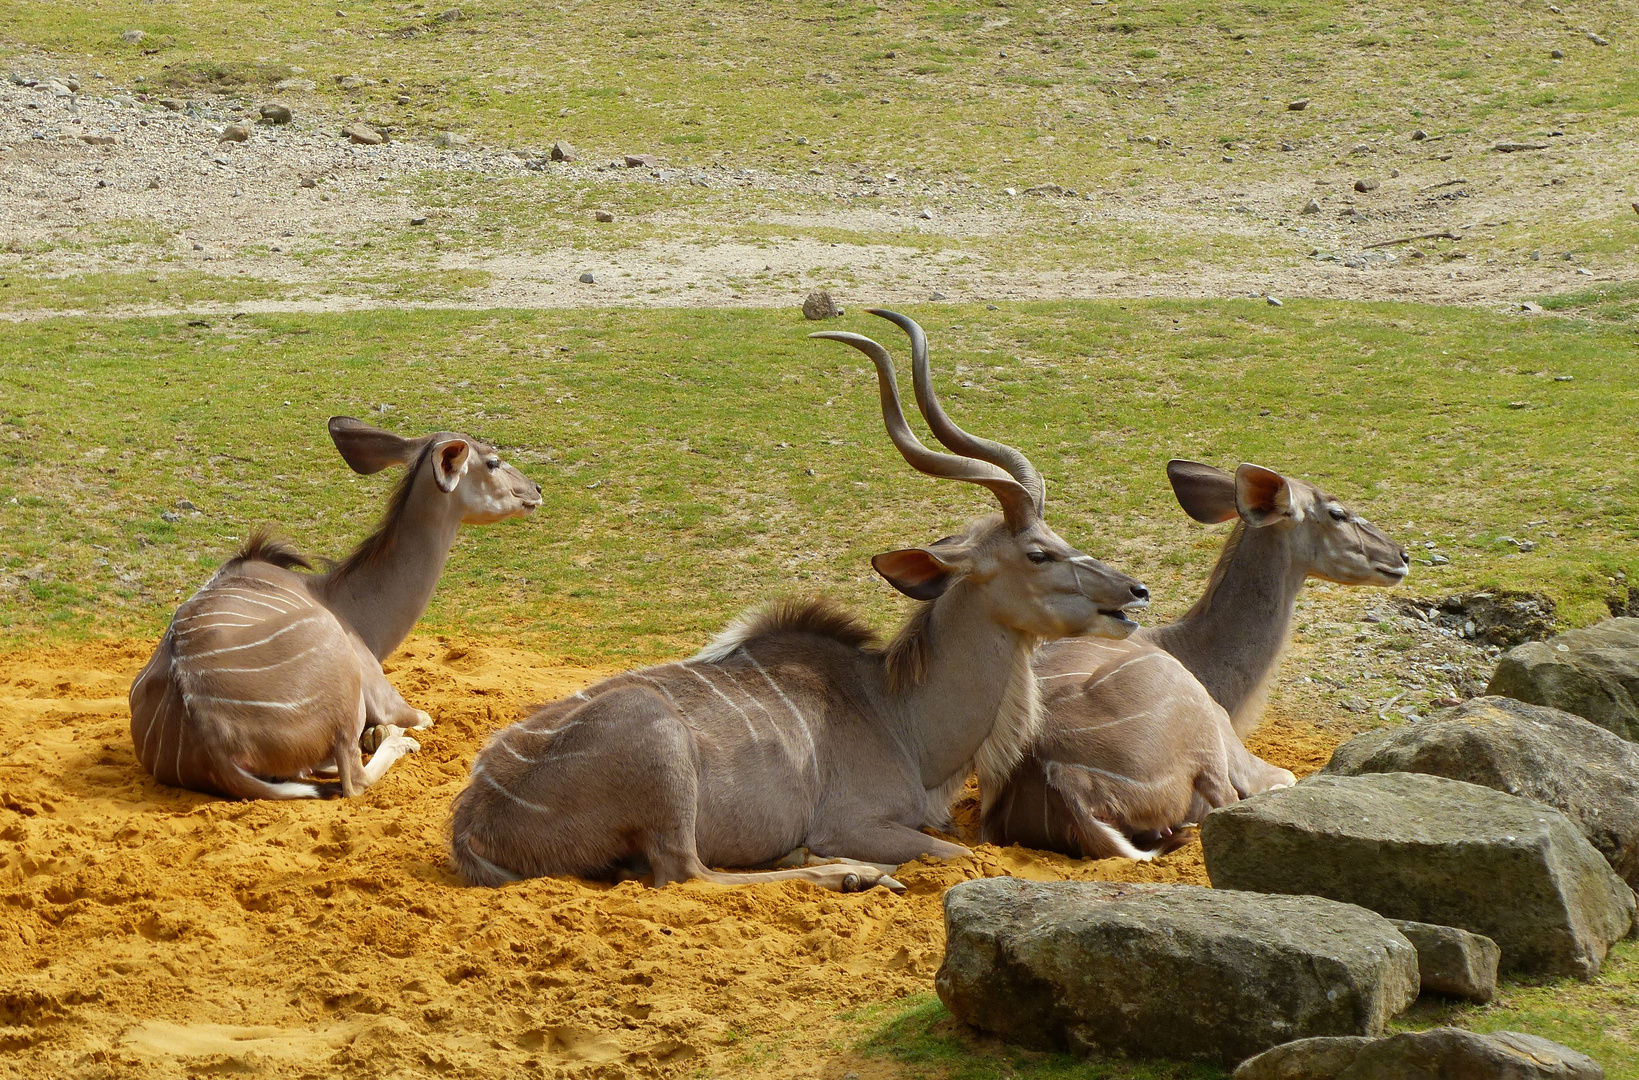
<point>267,678</point>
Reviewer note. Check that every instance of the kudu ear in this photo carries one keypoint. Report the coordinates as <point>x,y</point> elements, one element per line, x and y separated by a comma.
<point>1205,493</point>
<point>450,460</point>
<point>1262,495</point>
<point>916,572</point>
<point>369,449</point>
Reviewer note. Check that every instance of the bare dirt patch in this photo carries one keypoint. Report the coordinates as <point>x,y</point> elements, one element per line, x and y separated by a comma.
<point>153,932</point>
<point>508,227</point>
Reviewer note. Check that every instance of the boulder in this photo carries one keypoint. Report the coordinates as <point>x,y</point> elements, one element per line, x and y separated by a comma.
<point>1428,849</point>
<point>1453,962</point>
<point>1577,767</point>
<point>1169,971</point>
<point>1444,1053</point>
<point>1593,673</point>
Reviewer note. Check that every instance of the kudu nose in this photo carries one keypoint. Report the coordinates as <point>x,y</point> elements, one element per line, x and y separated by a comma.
<point>1140,593</point>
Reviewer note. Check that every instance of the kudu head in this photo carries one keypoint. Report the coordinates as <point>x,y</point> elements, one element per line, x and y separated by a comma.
<point>1325,539</point>
<point>482,487</point>
<point>1030,579</point>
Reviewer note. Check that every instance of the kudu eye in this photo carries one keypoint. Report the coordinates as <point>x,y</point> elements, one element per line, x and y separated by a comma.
<point>1039,557</point>
<point>493,463</point>
<point>1339,514</point>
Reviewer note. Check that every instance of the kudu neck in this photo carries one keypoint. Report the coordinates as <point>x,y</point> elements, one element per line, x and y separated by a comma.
<point>972,659</point>
<point>1233,637</point>
<point>381,597</point>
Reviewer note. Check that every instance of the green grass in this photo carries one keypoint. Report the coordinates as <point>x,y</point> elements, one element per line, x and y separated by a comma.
<point>920,1038</point>
<point>748,78</point>
<point>675,449</point>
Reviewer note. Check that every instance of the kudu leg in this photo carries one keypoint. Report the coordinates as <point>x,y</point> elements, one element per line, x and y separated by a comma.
<point>351,769</point>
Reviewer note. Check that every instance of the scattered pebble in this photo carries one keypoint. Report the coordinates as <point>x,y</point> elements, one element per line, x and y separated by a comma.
<point>562,151</point>
<point>1419,135</point>
<point>802,140</point>
<point>234,133</point>
<point>274,113</point>
<point>1311,207</point>
<point>418,221</point>
<point>133,37</point>
<point>1273,301</point>
<point>1531,308</point>
<point>1299,105</point>
<point>1596,39</point>
<point>1557,54</point>
<point>587,278</point>
<point>452,15</point>
<point>641,161</point>
<point>97,140</point>
<point>927,215</point>
<point>1367,183</point>
<point>937,297</point>
<point>363,134</point>
<point>172,104</point>
<point>605,216</point>
<point>449,140</point>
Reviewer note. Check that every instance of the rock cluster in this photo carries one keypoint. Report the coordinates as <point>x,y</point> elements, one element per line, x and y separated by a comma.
<point>1428,849</point>
<point>1550,756</point>
<point>1593,673</point>
<point>1423,1055</point>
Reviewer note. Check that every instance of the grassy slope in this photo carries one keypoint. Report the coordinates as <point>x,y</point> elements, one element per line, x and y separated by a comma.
<point>674,449</point>
<point>736,77</point>
<point>737,85</point>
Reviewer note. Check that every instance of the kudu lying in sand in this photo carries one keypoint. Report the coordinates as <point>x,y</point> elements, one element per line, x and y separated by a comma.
<point>267,676</point>
<point>792,728</point>
<point>1143,736</point>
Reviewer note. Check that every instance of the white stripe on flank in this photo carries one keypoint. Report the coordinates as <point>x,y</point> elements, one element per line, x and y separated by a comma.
<point>250,596</point>
<point>251,645</point>
<point>753,698</point>
<point>191,698</point>
<point>219,626</point>
<point>219,611</point>
<point>1128,663</point>
<point>1152,784</point>
<point>1068,675</point>
<point>658,685</point>
<point>300,597</point>
<point>813,753</point>
<point>725,697</point>
<point>265,667</point>
<point>492,782</point>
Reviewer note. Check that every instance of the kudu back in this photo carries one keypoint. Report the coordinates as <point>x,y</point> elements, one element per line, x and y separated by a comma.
<point>1138,737</point>
<point>795,727</point>
<point>267,676</point>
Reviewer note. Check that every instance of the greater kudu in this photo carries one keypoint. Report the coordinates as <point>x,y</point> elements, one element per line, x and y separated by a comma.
<point>793,728</point>
<point>1144,735</point>
<point>267,677</point>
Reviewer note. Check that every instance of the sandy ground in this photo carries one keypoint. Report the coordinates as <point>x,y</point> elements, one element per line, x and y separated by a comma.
<point>238,211</point>
<point>156,933</point>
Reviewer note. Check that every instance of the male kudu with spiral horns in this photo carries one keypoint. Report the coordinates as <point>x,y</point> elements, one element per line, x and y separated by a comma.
<point>793,728</point>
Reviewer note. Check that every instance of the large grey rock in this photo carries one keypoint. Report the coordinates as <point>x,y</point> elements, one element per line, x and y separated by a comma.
<point>1575,766</point>
<point>1438,1054</point>
<point>1453,962</point>
<point>1425,848</point>
<point>1593,673</point>
<point>1171,971</point>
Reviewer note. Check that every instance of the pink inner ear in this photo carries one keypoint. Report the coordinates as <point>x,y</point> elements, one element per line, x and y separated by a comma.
<point>1259,489</point>
<point>911,566</point>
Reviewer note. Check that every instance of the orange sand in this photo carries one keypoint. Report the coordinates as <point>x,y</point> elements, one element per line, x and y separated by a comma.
<point>151,932</point>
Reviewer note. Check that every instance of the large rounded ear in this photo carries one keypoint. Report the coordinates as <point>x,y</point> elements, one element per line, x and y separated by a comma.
<point>450,460</point>
<point>369,449</point>
<point>916,572</point>
<point>1205,493</point>
<point>1262,495</point>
